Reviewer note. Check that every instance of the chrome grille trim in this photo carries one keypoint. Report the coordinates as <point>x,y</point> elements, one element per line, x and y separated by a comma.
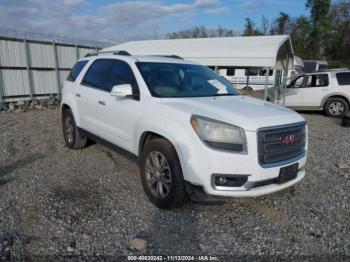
<point>272,152</point>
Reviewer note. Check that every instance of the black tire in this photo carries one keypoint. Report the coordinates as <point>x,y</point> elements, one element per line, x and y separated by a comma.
<point>73,138</point>
<point>177,194</point>
<point>332,103</point>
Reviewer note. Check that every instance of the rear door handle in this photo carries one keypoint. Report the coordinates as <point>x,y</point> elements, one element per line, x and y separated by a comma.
<point>78,95</point>
<point>102,102</point>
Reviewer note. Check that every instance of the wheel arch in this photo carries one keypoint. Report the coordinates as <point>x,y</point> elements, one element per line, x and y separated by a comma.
<point>146,137</point>
<point>335,95</point>
<point>69,103</point>
<point>178,141</point>
<point>64,107</point>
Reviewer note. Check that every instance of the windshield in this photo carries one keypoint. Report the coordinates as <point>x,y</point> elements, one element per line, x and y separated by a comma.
<point>183,80</point>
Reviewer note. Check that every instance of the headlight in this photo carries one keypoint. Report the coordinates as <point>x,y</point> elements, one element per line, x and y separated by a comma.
<point>220,135</point>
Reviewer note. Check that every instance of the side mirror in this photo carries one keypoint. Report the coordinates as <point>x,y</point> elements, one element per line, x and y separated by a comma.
<point>122,90</point>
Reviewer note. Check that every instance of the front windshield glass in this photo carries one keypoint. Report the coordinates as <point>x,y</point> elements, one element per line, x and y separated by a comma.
<point>183,80</point>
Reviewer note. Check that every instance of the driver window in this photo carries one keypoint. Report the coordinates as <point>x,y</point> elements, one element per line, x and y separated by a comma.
<point>320,80</point>
<point>297,83</point>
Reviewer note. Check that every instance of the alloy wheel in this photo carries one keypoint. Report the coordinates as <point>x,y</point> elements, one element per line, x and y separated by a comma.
<point>336,108</point>
<point>69,129</point>
<point>158,174</point>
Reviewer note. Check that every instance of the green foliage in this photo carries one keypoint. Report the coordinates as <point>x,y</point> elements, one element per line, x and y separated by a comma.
<point>338,44</point>
<point>320,21</point>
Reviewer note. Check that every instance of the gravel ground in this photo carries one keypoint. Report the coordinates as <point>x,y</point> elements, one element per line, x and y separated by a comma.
<point>90,203</point>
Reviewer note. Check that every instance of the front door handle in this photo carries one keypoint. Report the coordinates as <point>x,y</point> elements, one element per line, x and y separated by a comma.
<point>77,95</point>
<point>102,102</point>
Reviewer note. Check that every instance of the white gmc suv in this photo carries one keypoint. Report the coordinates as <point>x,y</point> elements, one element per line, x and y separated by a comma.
<point>193,134</point>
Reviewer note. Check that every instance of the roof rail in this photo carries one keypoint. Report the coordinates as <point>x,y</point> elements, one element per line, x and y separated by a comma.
<point>121,52</point>
<point>334,70</point>
<point>172,56</point>
<point>90,54</point>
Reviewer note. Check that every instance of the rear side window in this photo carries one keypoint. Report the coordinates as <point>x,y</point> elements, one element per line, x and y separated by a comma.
<point>76,70</point>
<point>121,74</point>
<point>343,79</point>
<point>98,74</point>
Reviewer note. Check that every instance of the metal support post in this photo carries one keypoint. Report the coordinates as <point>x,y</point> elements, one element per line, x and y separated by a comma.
<point>76,52</point>
<point>56,67</point>
<point>29,74</point>
<point>285,80</point>
<point>248,74</point>
<point>266,82</point>
<point>1,86</point>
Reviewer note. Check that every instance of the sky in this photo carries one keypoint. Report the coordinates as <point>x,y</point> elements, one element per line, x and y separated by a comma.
<point>122,20</point>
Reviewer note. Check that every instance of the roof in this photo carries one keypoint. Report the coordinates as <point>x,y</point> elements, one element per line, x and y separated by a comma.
<point>254,51</point>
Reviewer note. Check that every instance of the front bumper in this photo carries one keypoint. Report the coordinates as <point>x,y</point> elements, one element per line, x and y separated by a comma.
<point>258,191</point>
<point>201,162</point>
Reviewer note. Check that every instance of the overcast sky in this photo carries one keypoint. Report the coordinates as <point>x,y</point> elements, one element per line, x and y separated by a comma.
<point>121,20</point>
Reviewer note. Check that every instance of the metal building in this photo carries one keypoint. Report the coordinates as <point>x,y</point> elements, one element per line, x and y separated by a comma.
<point>35,65</point>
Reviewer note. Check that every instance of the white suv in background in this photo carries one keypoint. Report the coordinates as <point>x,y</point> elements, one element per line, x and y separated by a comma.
<point>191,131</point>
<point>328,91</point>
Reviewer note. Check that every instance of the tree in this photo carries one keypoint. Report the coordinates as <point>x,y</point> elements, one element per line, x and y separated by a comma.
<point>249,28</point>
<point>338,46</point>
<point>299,30</point>
<point>281,24</point>
<point>265,25</point>
<point>201,32</point>
<point>320,26</point>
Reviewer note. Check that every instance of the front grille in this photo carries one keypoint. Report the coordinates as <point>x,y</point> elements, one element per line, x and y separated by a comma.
<point>281,143</point>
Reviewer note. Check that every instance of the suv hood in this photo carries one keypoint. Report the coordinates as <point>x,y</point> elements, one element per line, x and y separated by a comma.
<point>246,112</point>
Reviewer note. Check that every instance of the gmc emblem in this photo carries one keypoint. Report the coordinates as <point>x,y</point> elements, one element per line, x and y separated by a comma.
<point>288,140</point>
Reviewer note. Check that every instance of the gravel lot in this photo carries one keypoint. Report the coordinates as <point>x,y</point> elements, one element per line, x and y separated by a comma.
<point>58,202</point>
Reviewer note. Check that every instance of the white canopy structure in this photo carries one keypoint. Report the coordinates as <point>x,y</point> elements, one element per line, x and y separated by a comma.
<point>298,62</point>
<point>266,52</point>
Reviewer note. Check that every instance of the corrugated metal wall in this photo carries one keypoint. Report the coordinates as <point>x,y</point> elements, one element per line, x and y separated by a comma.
<point>30,68</point>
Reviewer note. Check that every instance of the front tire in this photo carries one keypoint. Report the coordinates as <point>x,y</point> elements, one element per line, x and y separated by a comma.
<point>336,107</point>
<point>161,174</point>
<point>72,136</point>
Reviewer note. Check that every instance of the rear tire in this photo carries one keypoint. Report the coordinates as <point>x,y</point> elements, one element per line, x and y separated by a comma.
<point>161,174</point>
<point>72,136</point>
<point>336,107</point>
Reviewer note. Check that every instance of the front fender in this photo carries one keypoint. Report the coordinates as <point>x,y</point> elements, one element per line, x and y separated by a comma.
<point>180,136</point>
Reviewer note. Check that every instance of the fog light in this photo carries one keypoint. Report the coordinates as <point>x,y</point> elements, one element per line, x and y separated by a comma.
<point>228,180</point>
<point>221,181</point>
